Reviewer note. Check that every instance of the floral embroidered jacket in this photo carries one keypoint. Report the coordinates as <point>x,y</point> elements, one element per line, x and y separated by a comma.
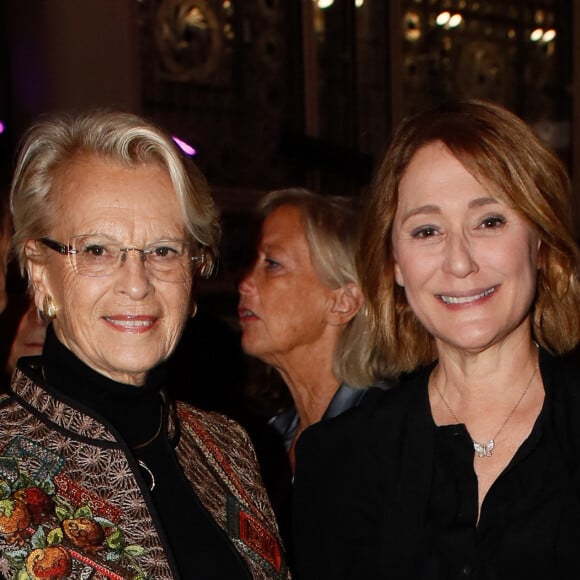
<point>73,502</point>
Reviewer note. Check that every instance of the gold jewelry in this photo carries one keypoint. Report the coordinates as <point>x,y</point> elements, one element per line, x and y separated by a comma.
<point>485,450</point>
<point>49,307</point>
<point>144,444</point>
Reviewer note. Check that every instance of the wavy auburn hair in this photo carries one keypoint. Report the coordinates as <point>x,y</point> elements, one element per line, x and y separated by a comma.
<point>502,152</point>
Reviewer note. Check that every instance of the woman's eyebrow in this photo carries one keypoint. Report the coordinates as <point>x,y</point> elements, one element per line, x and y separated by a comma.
<point>424,209</point>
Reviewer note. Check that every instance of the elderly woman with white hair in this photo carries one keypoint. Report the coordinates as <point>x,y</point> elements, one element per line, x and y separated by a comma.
<point>101,474</point>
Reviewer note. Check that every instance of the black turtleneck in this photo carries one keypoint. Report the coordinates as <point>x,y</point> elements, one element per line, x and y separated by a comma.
<point>199,547</point>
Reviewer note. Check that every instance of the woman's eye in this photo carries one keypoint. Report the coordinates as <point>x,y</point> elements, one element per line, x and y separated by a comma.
<point>424,232</point>
<point>164,252</point>
<point>96,251</point>
<point>271,264</point>
<point>492,222</point>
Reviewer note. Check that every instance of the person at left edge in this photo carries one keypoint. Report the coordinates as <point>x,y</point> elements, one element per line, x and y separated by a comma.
<point>100,473</point>
<point>5,237</point>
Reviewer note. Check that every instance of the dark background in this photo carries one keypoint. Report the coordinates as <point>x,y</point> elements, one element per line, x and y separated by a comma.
<point>277,93</point>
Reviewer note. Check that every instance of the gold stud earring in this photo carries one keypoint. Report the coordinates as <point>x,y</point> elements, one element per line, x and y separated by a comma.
<point>49,308</point>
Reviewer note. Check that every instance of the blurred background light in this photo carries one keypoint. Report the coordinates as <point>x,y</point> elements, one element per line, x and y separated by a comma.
<point>185,147</point>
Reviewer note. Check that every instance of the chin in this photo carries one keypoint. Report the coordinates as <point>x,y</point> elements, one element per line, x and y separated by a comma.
<point>135,368</point>
<point>249,347</point>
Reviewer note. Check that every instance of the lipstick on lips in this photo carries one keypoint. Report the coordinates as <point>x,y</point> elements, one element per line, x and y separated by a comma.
<point>133,324</point>
<point>245,315</point>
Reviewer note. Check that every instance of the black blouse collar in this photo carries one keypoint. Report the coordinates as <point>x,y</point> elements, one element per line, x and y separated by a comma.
<point>135,411</point>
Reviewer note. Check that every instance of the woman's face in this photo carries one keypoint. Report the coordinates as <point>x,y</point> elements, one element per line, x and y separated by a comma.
<point>124,324</point>
<point>467,261</point>
<point>284,306</point>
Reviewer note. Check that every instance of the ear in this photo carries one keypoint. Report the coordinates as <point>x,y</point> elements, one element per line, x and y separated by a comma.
<point>346,302</point>
<point>399,279</point>
<point>397,273</point>
<point>36,268</point>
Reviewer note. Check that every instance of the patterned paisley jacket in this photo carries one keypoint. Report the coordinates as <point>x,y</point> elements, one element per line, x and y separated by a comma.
<point>72,506</point>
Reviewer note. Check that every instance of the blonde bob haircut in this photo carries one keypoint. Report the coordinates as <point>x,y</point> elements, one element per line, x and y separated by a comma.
<point>331,230</point>
<point>507,158</point>
<point>52,144</point>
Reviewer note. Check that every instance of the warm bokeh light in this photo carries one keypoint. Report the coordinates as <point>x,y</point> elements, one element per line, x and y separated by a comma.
<point>447,20</point>
<point>536,35</point>
<point>455,21</point>
<point>443,18</point>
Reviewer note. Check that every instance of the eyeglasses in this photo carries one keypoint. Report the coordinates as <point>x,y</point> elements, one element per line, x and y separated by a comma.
<point>98,256</point>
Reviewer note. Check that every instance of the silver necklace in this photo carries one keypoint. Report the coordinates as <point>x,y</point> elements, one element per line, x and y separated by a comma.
<point>485,450</point>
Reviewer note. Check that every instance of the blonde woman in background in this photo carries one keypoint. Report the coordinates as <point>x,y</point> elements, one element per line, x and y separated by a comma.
<point>302,312</point>
<point>301,307</point>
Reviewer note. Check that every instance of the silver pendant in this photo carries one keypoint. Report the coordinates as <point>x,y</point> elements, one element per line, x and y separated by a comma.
<point>484,451</point>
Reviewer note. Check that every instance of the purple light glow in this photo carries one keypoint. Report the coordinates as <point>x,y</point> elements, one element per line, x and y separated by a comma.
<point>187,149</point>
<point>2,127</point>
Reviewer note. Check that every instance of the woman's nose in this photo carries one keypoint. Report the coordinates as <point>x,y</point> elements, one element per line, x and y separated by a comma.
<point>247,283</point>
<point>459,258</point>
<point>133,277</point>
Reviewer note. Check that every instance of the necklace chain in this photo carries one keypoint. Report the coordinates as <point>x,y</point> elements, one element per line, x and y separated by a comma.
<point>151,439</point>
<point>487,449</point>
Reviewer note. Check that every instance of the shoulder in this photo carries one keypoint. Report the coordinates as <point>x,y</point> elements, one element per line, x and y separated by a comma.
<point>211,424</point>
<point>219,461</point>
<point>211,439</point>
<point>561,412</point>
<point>379,418</point>
<point>212,436</point>
<point>561,376</point>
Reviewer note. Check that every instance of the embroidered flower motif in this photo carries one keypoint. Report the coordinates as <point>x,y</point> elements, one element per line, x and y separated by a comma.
<point>52,562</point>
<point>92,459</point>
<point>43,535</point>
<point>14,520</point>
<point>38,502</point>
<point>117,471</point>
<point>61,414</point>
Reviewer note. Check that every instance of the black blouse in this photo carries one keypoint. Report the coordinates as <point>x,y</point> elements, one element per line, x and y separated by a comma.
<point>139,414</point>
<point>382,492</point>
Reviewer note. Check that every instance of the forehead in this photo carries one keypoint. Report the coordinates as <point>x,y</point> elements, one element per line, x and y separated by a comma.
<point>92,193</point>
<point>436,161</point>
<point>285,223</point>
<point>284,231</point>
<point>435,175</point>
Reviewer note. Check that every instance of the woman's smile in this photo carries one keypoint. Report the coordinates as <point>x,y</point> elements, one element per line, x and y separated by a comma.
<point>130,323</point>
<point>467,298</point>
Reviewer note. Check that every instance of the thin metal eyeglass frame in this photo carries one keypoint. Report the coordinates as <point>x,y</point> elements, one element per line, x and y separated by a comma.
<point>65,250</point>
